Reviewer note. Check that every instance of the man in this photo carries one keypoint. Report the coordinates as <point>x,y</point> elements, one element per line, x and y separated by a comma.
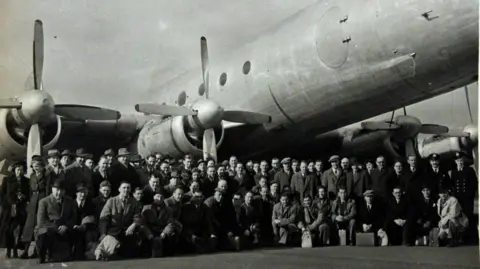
<point>84,232</point>
<point>333,177</point>
<point>256,167</point>
<point>345,164</point>
<point>424,216</point>
<point>275,168</point>
<point>358,180</point>
<point>149,167</point>
<point>249,221</point>
<point>370,167</point>
<point>223,216</point>
<point>201,168</point>
<point>187,164</point>
<point>465,188</point>
<point>66,159</point>
<point>398,175</point>
<point>194,186</point>
<point>241,182</point>
<point>100,175</point>
<point>303,184</point>
<point>208,184</point>
<point>164,173</point>
<point>311,220</point>
<point>371,214</point>
<point>110,154</point>
<point>136,162</point>
<point>173,184</point>
<point>453,222</point>
<point>284,177</point>
<point>89,162</point>
<point>55,221</point>
<point>105,189</point>
<point>436,176</point>
<point>284,220</point>
<point>344,212</point>
<point>413,180</point>
<point>249,169</point>
<point>175,203</point>
<point>123,171</point>
<point>138,195</point>
<point>232,163</point>
<point>263,173</point>
<point>163,229</point>
<point>197,225</point>
<point>319,171</point>
<point>265,210</point>
<point>261,183</point>
<point>120,218</point>
<point>380,180</point>
<point>274,195</point>
<point>78,173</point>
<point>396,224</point>
<point>54,167</point>
<point>151,189</point>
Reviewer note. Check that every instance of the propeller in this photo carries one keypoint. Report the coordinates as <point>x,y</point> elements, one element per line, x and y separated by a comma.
<point>472,136</point>
<point>206,113</point>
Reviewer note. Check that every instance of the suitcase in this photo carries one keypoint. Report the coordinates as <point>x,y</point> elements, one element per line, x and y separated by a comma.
<point>422,241</point>
<point>307,240</point>
<point>433,237</point>
<point>366,239</point>
<point>342,235</point>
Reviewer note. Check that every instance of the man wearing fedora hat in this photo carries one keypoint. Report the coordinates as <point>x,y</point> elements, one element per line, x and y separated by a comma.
<point>123,171</point>
<point>56,219</point>
<point>66,158</point>
<point>78,173</point>
<point>54,167</point>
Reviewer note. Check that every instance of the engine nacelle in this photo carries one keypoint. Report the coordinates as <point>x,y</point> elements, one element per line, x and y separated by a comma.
<point>368,144</point>
<point>13,145</point>
<point>172,136</point>
<point>444,146</point>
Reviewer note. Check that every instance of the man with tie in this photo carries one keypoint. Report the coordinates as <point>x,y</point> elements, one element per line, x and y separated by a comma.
<point>99,202</point>
<point>84,230</point>
<point>78,173</point>
<point>371,214</point>
<point>284,177</point>
<point>396,224</point>
<point>311,219</point>
<point>380,179</point>
<point>53,167</point>
<point>303,183</point>
<point>284,220</point>
<point>344,212</point>
<point>55,221</point>
<point>151,189</point>
<point>263,173</point>
<point>357,182</point>
<point>345,164</point>
<point>333,177</point>
<point>275,168</point>
<point>397,177</point>
<point>99,175</point>
<point>424,216</point>
<point>123,171</point>
<point>241,182</point>
<point>436,176</point>
<point>413,180</point>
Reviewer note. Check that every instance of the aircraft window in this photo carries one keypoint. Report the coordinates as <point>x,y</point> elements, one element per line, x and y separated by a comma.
<point>223,79</point>
<point>246,67</point>
<point>201,89</point>
<point>182,98</point>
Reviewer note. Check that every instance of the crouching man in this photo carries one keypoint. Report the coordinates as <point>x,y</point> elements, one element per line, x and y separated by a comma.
<point>249,222</point>
<point>284,219</point>
<point>55,220</point>
<point>453,222</point>
<point>162,229</point>
<point>85,229</point>
<point>119,225</point>
<point>344,211</point>
<point>311,220</point>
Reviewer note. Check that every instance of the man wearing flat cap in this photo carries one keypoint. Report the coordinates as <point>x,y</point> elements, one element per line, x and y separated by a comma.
<point>78,173</point>
<point>465,187</point>
<point>436,176</point>
<point>333,177</point>
<point>54,167</point>
<point>84,230</point>
<point>56,218</point>
<point>284,177</point>
<point>123,171</point>
<point>370,214</point>
<point>424,216</point>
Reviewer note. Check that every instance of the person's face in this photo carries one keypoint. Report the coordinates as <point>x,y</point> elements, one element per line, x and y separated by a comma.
<point>38,168</point>
<point>295,166</point>
<point>110,158</point>
<point>380,162</point>
<point>210,163</point>
<point>177,195</point>
<point>263,167</point>
<point>434,163</point>
<point>345,164</point>
<point>459,162</point>
<point>303,168</point>
<point>122,160</point>
<point>195,176</point>
<point>65,160</point>
<point>222,185</point>
<point>354,168</point>
<point>105,191</point>
<point>274,188</point>
<point>237,200</point>
<point>197,198</point>
<point>174,181</point>
<point>368,199</point>
<point>397,193</point>
<point>286,166</point>
<point>81,195</point>
<point>262,182</point>
<point>102,164</point>
<point>89,163</point>
<point>284,200</point>
<point>124,189</point>
<point>311,167</point>
<point>221,170</point>
<point>109,162</point>
<point>158,157</point>
<point>80,160</point>
<point>233,161</point>
<point>19,171</point>
<point>164,168</point>
<point>342,194</point>
<point>158,197</point>
<point>202,167</point>
<point>426,193</point>
<point>256,167</point>
<point>321,193</point>
<point>187,163</point>
<point>334,164</point>
<point>150,161</point>
<point>307,202</point>
<point>398,167</point>
<point>211,171</point>
<point>239,169</point>
<point>412,161</point>
<point>275,163</point>
<point>54,161</point>
<point>249,166</point>
<point>369,166</point>
<point>218,196</point>
<point>264,191</point>
<point>58,193</point>
<point>194,186</point>
<point>248,198</point>
<point>443,196</point>
<point>319,166</point>
<point>154,182</point>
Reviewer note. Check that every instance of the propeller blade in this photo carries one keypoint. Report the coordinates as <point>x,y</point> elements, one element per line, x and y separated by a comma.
<point>157,109</point>
<point>379,125</point>
<point>34,146</point>
<point>81,112</point>
<point>38,54</point>
<point>468,104</point>
<point>433,129</point>
<point>456,133</point>
<point>410,148</point>
<point>205,64</point>
<point>209,145</point>
<point>9,103</point>
<point>246,117</point>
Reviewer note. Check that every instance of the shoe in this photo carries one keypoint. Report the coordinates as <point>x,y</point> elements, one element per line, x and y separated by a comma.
<point>15,254</point>
<point>24,255</point>
<point>34,255</point>
<point>9,253</point>
<point>41,260</point>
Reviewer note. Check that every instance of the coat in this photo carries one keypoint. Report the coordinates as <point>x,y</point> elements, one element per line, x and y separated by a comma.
<point>437,180</point>
<point>424,211</point>
<point>98,204</point>
<point>357,183</point>
<point>39,189</point>
<point>97,178</point>
<point>412,183</point>
<point>325,210</point>
<point>286,214</point>
<point>114,219</point>
<point>175,206</point>
<point>398,210</point>
<point>375,216</point>
<point>332,182</point>
<point>381,184</point>
<point>283,179</point>
<point>52,215</point>
<point>76,174</point>
<point>208,185</point>
<point>309,217</point>
<point>196,220</point>
<point>450,210</point>
<point>119,172</point>
<point>249,215</point>
<point>349,213</point>
<point>223,215</point>
<point>158,221</point>
<point>302,186</point>
<point>241,184</point>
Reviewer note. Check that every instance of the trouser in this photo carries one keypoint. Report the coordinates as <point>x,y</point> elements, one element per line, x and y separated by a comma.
<point>46,242</point>
<point>397,234</point>
<point>471,233</point>
<point>323,237</point>
<point>286,235</point>
<point>199,243</point>
<point>349,227</point>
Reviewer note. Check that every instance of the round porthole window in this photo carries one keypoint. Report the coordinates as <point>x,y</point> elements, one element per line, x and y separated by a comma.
<point>246,67</point>
<point>223,79</point>
<point>201,89</point>
<point>182,98</point>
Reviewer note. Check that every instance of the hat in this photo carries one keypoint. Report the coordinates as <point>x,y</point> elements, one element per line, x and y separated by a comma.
<point>123,152</point>
<point>434,156</point>
<point>81,187</point>
<point>459,155</point>
<point>186,175</point>
<point>18,164</point>
<point>53,153</point>
<point>81,152</point>
<point>368,193</point>
<point>225,163</point>
<point>66,153</point>
<point>105,183</point>
<point>109,152</point>
<point>286,160</point>
<point>89,156</point>
<point>333,158</point>
<point>37,159</point>
<point>174,174</point>
<point>200,161</point>
<point>135,158</point>
<point>59,184</point>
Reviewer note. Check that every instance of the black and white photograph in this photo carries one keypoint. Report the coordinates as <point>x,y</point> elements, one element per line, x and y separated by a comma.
<point>239,134</point>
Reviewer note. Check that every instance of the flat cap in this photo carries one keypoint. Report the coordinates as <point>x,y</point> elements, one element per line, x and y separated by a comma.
<point>53,153</point>
<point>109,152</point>
<point>123,152</point>
<point>105,183</point>
<point>135,158</point>
<point>368,193</point>
<point>286,160</point>
<point>333,158</point>
<point>81,152</point>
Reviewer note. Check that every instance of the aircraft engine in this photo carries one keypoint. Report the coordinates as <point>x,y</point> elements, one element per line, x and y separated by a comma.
<point>14,138</point>
<point>369,144</point>
<point>448,145</point>
<point>173,136</point>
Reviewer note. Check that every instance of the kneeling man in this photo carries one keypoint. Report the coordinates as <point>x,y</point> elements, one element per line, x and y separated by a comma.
<point>344,211</point>
<point>311,220</point>
<point>284,219</point>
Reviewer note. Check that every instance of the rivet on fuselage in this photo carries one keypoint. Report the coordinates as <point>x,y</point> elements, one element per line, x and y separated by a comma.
<point>344,19</point>
<point>347,39</point>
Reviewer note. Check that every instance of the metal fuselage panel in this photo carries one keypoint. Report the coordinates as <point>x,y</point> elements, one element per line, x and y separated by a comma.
<point>339,62</point>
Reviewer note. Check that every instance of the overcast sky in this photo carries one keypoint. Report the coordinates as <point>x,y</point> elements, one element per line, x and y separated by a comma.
<point>112,52</point>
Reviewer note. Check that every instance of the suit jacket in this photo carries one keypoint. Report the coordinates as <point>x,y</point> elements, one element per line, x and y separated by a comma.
<point>51,214</point>
<point>196,220</point>
<point>208,186</point>
<point>426,211</point>
<point>115,218</point>
<point>241,184</point>
<point>381,182</point>
<point>309,216</point>
<point>286,214</point>
<point>302,186</point>
<point>249,215</point>
<point>397,210</point>
<point>157,220</point>
<point>325,209</point>
<point>53,175</point>
<point>88,210</point>
<point>74,175</point>
<point>148,194</point>
<point>437,180</point>
<point>98,204</point>
<point>175,206</point>
<point>119,172</point>
<point>375,216</point>
<point>283,179</point>
<point>223,215</point>
<point>349,213</point>
<point>11,187</point>
<point>412,183</point>
<point>333,182</point>
<point>357,183</point>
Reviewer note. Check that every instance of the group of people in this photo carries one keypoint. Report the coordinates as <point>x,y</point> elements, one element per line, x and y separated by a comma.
<point>127,206</point>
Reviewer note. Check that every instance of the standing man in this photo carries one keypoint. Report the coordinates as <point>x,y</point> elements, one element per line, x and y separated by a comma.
<point>78,173</point>
<point>333,177</point>
<point>275,167</point>
<point>123,171</point>
<point>66,159</point>
<point>436,176</point>
<point>359,181</point>
<point>380,180</point>
<point>263,173</point>
<point>303,184</point>
<point>54,167</point>
<point>241,182</point>
<point>284,177</point>
<point>413,180</point>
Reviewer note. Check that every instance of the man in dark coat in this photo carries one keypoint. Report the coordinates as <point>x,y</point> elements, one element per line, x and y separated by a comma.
<point>263,173</point>
<point>423,216</point>
<point>333,178</point>
<point>284,177</point>
<point>370,214</point>
<point>311,219</point>
<point>175,203</point>
<point>284,221</point>
<point>54,167</point>
<point>397,214</point>
<point>436,176</point>
<point>303,183</point>
<point>359,180</point>
<point>99,175</point>
<point>100,201</point>
<point>380,179</point>
<point>209,183</point>
<point>56,219</point>
<point>123,171</point>
<point>344,213</point>
<point>77,173</point>
<point>241,182</point>
<point>153,187</point>
<point>249,221</point>
<point>413,180</point>
<point>84,233</point>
